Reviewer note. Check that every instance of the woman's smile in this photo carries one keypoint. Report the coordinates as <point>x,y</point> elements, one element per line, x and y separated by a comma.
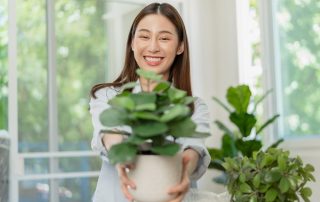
<point>153,61</point>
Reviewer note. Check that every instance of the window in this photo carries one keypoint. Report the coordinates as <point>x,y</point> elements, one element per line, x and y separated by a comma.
<point>296,27</point>
<point>63,48</point>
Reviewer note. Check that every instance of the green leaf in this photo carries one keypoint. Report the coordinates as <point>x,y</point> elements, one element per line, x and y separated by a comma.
<point>256,180</point>
<point>271,195</point>
<point>167,149</point>
<point>144,100</point>
<point>187,100</point>
<point>228,146</point>
<point>306,192</point>
<point>260,100</point>
<point>248,147</point>
<point>129,85</point>
<point>244,121</point>
<point>271,120</point>
<point>221,104</point>
<point>176,94</point>
<point>122,153</point>
<point>162,86</point>
<point>225,129</point>
<point>136,140</point>
<point>182,128</point>
<point>253,199</point>
<point>272,176</point>
<point>123,102</point>
<point>282,162</point>
<point>217,164</point>
<point>242,177</point>
<point>239,97</point>
<point>150,129</point>
<point>175,112</point>
<point>113,117</point>
<point>245,188</point>
<point>149,75</point>
<point>145,115</point>
<point>284,185</point>
<point>276,144</point>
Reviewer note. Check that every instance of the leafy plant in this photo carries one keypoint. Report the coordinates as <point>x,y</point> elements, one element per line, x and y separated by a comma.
<point>245,139</point>
<point>153,116</point>
<point>268,176</point>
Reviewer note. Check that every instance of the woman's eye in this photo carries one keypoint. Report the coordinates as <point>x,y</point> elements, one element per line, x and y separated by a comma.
<point>164,38</point>
<point>143,37</point>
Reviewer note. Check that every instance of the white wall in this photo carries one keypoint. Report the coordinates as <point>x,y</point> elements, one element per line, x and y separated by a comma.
<point>213,45</point>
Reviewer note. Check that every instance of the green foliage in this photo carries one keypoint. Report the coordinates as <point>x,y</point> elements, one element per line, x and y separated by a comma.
<point>152,116</point>
<point>268,176</point>
<point>245,139</point>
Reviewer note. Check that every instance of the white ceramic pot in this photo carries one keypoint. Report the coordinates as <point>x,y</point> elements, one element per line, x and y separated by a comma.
<point>154,175</point>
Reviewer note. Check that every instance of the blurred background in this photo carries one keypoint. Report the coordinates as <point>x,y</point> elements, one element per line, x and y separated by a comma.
<point>53,51</point>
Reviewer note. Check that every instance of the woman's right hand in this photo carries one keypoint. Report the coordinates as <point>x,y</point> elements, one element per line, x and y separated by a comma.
<point>125,182</point>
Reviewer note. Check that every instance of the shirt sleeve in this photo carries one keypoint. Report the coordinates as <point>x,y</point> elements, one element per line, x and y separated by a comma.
<point>201,118</point>
<point>97,106</point>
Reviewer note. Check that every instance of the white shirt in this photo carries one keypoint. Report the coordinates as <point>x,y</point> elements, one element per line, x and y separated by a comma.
<point>108,187</point>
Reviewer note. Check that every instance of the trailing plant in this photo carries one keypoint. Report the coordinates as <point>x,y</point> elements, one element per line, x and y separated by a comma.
<point>268,176</point>
<point>153,116</point>
<point>245,139</point>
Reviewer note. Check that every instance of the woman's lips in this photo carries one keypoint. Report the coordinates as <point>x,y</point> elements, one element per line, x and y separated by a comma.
<point>153,61</point>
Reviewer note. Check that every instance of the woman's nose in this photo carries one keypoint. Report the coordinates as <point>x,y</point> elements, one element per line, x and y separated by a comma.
<point>154,46</point>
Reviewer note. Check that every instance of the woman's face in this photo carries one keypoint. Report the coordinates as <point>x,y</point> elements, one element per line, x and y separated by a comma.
<point>156,44</point>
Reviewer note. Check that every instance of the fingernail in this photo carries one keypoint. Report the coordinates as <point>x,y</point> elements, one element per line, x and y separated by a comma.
<point>129,187</point>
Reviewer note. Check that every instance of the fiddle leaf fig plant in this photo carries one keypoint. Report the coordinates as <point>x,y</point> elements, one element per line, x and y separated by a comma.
<point>268,176</point>
<point>244,137</point>
<point>152,116</point>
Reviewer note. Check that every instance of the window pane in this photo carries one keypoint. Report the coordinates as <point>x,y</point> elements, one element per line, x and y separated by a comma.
<point>68,190</point>
<point>298,24</point>
<point>3,65</point>
<point>69,164</point>
<point>32,75</point>
<point>81,62</point>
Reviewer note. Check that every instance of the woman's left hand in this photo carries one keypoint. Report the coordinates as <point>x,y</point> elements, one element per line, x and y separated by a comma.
<point>189,160</point>
<point>181,189</point>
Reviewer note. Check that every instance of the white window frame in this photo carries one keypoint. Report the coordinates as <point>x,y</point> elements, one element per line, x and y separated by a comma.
<point>17,159</point>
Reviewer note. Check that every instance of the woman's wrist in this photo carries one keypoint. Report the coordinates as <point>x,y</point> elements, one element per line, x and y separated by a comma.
<point>193,157</point>
<point>108,140</point>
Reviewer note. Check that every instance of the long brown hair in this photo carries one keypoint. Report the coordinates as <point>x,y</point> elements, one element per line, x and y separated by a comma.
<point>180,69</point>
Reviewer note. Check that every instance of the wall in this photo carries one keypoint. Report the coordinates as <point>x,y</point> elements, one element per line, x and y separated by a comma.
<point>213,44</point>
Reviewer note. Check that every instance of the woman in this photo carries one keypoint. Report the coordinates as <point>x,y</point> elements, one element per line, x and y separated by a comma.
<point>158,42</point>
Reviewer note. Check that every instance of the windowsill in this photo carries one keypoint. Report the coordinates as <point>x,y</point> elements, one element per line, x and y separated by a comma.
<point>306,142</point>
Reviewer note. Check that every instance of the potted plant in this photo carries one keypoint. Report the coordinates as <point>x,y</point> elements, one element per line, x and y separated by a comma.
<point>245,139</point>
<point>268,176</point>
<point>156,118</point>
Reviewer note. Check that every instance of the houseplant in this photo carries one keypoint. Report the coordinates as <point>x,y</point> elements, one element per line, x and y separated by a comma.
<point>245,138</point>
<point>268,176</point>
<point>156,117</point>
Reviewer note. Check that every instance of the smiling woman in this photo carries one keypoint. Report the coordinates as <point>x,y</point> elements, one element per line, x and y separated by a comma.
<point>157,42</point>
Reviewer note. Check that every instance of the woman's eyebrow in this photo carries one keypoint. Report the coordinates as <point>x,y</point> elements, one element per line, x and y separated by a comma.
<point>161,32</point>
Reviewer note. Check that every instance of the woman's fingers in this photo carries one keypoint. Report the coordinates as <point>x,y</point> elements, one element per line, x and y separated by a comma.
<point>184,184</point>
<point>125,182</point>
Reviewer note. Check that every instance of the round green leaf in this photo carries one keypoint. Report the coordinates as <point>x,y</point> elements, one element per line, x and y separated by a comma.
<point>122,153</point>
<point>271,195</point>
<point>245,188</point>
<point>284,185</point>
<point>150,129</point>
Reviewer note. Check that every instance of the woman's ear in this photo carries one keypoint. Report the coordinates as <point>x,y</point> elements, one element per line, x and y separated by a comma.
<point>180,49</point>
